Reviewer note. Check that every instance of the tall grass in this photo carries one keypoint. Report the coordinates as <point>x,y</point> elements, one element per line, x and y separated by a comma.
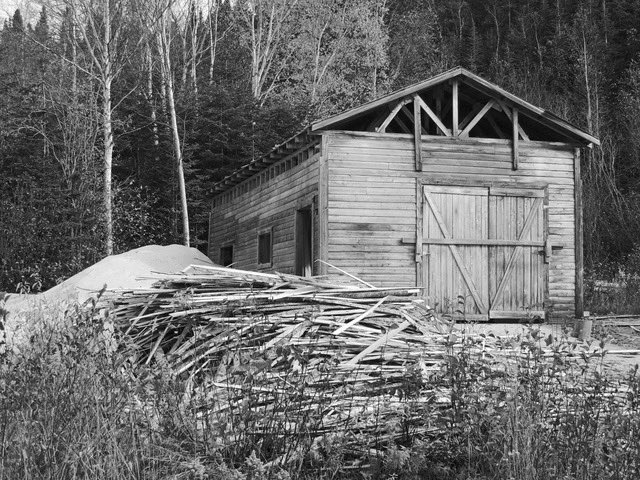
<point>75,405</point>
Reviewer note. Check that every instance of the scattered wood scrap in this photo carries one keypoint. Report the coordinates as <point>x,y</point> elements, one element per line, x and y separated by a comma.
<point>304,357</point>
<point>334,349</point>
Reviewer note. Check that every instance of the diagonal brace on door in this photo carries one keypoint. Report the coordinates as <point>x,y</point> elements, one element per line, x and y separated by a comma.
<point>456,254</point>
<point>518,250</point>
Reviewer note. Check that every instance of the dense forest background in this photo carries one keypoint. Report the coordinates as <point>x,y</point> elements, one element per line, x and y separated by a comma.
<point>117,116</point>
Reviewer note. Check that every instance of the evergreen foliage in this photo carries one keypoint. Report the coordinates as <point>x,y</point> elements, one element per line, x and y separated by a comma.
<point>578,59</point>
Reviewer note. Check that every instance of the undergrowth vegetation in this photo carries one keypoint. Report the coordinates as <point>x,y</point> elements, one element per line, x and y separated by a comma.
<point>614,287</point>
<point>74,405</point>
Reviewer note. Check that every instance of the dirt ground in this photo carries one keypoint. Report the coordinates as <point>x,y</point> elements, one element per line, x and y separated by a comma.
<point>135,270</point>
<point>620,337</point>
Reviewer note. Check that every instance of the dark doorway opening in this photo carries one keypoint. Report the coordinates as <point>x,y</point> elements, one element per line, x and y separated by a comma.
<point>265,249</point>
<point>304,242</point>
<point>226,255</point>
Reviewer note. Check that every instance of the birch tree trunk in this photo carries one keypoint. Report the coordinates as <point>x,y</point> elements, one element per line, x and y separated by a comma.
<point>213,37</point>
<point>194,21</point>
<point>107,135</point>
<point>107,126</point>
<point>152,102</point>
<point>74,60</point>
<point>164,44</point>
<point>266,21</point>
<point>100,25</point>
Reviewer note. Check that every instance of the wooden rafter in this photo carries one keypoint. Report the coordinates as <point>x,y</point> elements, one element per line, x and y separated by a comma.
<point>434,117</point>
<point>495,126</point>
<point>507,112</point>
<point>410,116</point>
<point>477,118</point>
<point>467,78</point>
<point>537,114</point>
<point>392,115</point>
<point>488,116</point>
<point>377,121</point>
<point>403,126</point>
<point>469,116</point>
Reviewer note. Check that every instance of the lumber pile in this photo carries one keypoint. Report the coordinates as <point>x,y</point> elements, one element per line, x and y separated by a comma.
<point>285,363</point>
<point>270,342</point>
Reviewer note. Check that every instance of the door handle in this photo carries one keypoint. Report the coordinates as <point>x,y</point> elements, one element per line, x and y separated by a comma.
<point>548,250</point>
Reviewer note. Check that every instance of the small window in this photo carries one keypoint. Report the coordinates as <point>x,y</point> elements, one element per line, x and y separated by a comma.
<point>264,248</point>
<point>226,255</point>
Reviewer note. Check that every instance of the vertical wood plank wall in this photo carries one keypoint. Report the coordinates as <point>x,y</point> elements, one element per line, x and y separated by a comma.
<point>269,205</point>
<point>372,200</point>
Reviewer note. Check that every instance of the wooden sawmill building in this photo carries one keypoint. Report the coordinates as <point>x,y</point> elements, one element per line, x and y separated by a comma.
<point>452,184</point>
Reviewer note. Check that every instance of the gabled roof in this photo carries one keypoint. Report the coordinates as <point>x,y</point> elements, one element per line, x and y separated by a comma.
<point>299,142</point>
<point>540,123</point>
<point>533,114</point>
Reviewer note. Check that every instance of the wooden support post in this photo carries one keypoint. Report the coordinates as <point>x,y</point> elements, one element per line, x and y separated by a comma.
<point>209,233</point>
<point>582,328</point>
<point>454,109</point>
<point>577,192</point>
<point>417,132</point>
<point>420,267</point>
<point>507,112</point>
<point>323,206</point>
<point>438,111</point>
<point>514,122</point>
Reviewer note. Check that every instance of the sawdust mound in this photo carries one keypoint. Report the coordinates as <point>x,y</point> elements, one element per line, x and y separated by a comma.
<point>127,271</point>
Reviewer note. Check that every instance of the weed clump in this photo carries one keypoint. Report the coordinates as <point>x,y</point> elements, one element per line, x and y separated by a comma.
<point>77,403</point>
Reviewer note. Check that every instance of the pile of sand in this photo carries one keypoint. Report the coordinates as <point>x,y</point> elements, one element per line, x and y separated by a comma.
<point>127,271</point>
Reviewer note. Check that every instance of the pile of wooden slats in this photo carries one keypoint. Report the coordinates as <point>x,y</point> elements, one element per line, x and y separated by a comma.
<point>347,352</point>
<point>274,358</point>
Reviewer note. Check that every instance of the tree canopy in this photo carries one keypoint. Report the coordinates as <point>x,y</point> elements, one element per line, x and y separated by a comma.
<point>209,85</point>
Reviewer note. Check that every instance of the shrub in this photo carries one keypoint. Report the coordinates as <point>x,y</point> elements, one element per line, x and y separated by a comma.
<point>614,288</point>
<point>76,404</point>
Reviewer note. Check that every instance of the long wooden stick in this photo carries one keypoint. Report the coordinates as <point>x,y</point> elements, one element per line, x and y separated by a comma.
<point>346,273</point>
<point>360,317</point>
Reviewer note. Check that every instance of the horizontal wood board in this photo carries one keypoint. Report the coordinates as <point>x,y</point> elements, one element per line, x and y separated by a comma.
<point>372,200</point>
<point>272,205</point>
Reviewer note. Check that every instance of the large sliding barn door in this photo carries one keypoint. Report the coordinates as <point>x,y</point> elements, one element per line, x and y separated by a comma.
<point>455,219</point>
<point>517,273</point>
<point>484,251</point>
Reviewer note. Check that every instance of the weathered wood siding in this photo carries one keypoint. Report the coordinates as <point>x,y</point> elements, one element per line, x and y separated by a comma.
<point>372,202</point>
<point>240,216</point>
<point>372,206</point>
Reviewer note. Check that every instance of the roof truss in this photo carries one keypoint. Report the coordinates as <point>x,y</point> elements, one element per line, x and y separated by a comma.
<point>490,118</point>
<point>449,101</point>
<point>455,104</point>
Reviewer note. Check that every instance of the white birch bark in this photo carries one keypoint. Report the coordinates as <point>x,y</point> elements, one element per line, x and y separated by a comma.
<point>100,24</point>
<point>164,46</point>
<point>266,22</point>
